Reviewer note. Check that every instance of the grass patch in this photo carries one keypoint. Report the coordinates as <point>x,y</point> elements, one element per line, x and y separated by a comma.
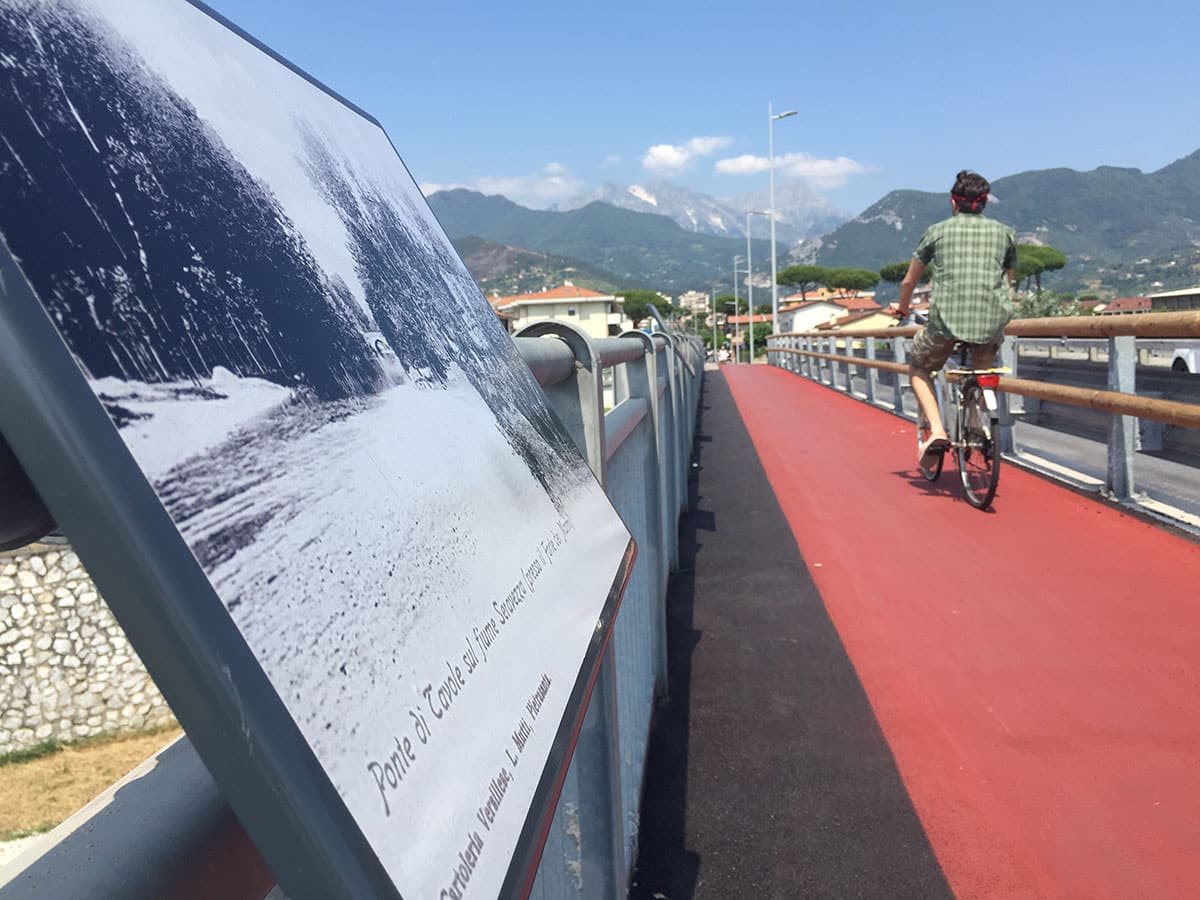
<point>40,828</point>
<point>45,748</point>
<point>45,784</point>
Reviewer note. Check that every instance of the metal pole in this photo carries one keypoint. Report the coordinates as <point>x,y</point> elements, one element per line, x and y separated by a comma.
<point>716,349</point>
<point>771,206</point>
<point>750,287</point>
<point>771,117</point>
<point>736,330</point>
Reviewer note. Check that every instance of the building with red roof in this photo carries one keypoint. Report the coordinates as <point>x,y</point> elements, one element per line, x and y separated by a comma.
<point>599,315</point>
<point>1125,305</point>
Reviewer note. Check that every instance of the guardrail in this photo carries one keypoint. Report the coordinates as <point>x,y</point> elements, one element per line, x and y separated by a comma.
<point>165,830</point>
<point>805,353</point>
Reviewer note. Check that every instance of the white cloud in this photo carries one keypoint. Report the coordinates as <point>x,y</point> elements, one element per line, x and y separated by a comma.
<point>669,158</point>
<point>825,173</point>
<point>432,187</point>
<point>550,185</point>
<point>609,161</point>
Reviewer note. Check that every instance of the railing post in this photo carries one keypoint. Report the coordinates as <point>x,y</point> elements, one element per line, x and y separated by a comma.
<point>595,790</point>
<point>848,341</point>
<point>1008,360</point>
<point>641,381</point>
<point>900,352</point>
<point>872,372</point>
<point>1122,430</point>
<point>667,454</point>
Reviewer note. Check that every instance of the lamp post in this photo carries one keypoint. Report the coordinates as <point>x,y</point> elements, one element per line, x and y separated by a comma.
<point>716,349</point>
<point>750,277</point>
<point>771,117</point>
<point>736,348</point>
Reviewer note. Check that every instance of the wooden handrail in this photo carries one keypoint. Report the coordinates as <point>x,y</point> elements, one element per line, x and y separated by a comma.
<point>1168,412</point>
<point>1147,325</point>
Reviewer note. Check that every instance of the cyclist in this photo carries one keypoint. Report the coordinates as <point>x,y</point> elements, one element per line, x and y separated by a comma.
<point>973,259</point>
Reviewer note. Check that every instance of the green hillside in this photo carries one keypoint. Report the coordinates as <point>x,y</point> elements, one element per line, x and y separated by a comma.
<point>1105,221</point>
<point>506,270</point>
<point>638,250</point>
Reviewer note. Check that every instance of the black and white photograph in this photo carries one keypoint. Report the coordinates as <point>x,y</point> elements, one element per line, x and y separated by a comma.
<point>325,404</point>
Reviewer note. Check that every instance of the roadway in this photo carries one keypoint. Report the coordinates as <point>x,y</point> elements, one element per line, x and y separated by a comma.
<point>879,691</point>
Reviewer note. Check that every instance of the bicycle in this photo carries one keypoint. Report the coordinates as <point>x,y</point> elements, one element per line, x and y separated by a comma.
<point>974,430</point>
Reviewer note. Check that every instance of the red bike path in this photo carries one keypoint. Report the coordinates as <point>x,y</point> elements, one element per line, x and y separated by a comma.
<point>1035,669</point>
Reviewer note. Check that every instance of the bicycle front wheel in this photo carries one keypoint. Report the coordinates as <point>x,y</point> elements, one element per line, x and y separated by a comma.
<point>978,449</point>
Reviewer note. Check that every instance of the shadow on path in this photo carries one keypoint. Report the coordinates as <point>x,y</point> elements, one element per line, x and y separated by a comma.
<point>768,775</point>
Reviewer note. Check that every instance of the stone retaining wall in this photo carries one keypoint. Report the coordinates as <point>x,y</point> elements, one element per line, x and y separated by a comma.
<point>67,670</point>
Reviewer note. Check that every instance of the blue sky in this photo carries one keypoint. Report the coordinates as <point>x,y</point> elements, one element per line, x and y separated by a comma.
<point>542,100</point>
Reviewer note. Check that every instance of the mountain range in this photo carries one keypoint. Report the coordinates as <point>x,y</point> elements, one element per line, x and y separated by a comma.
<point>633,249</point>
<point>1110,222</point>
<point>800,212</point>
<point>1123,231</point>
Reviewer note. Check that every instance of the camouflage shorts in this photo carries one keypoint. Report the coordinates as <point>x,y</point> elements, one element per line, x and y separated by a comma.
<point>930,351</point>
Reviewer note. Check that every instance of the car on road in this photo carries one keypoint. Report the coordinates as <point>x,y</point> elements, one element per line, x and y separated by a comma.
<point>1186,360</point>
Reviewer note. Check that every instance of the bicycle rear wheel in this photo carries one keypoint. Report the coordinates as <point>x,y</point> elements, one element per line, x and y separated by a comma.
<point>978,449</point>
<point>932,472</point>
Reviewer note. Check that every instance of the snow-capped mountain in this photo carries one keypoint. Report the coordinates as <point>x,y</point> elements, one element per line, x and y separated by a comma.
<point>801,211</point>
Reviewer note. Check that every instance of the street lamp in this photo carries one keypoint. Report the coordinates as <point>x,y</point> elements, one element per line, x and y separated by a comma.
<point>736,347</point>
<point>750,277</point>
<point>715,347</point>
<point>771,117</point>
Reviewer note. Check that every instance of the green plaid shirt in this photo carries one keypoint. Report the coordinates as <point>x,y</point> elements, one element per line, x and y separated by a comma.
<point>969,253</point>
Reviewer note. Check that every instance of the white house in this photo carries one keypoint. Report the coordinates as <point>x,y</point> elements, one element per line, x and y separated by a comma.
<point>600,315</point>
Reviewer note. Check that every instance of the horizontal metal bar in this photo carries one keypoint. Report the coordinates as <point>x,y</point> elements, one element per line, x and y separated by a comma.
<point>880,364</point>
<point>1156,325</point>
<point>621,420</point>
<point>614,351</point>
<point>550,359</point>
<point>1169,412</point>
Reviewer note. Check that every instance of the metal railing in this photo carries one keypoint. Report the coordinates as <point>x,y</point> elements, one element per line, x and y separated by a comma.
<point>165,830</point>
<point>816,355</point>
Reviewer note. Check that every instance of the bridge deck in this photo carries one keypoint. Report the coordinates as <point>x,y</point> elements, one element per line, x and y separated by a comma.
<point>880,691</point>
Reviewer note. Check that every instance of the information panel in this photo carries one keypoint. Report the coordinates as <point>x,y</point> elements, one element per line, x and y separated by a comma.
<point>326,407</point>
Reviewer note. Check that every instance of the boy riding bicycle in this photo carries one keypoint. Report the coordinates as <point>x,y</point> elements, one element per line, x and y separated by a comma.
<point>973,259</point>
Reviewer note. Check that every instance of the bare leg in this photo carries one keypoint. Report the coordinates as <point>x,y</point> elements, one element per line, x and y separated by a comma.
<point>922,386</point>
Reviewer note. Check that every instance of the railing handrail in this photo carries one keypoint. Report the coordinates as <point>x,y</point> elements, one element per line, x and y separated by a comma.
<point>1168,412</point>
<point>1149,325</point>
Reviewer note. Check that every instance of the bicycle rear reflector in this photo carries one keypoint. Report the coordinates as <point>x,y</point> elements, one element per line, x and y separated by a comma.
<point>989,381</point>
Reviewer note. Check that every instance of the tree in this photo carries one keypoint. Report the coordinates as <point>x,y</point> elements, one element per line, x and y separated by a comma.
<point>852,280</point>
<point>1033,260</point>
<point>894,272</point>
<point>725,305</point>
<point>802,278</point>
<point>762,331</point>
<point>638,302</point>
